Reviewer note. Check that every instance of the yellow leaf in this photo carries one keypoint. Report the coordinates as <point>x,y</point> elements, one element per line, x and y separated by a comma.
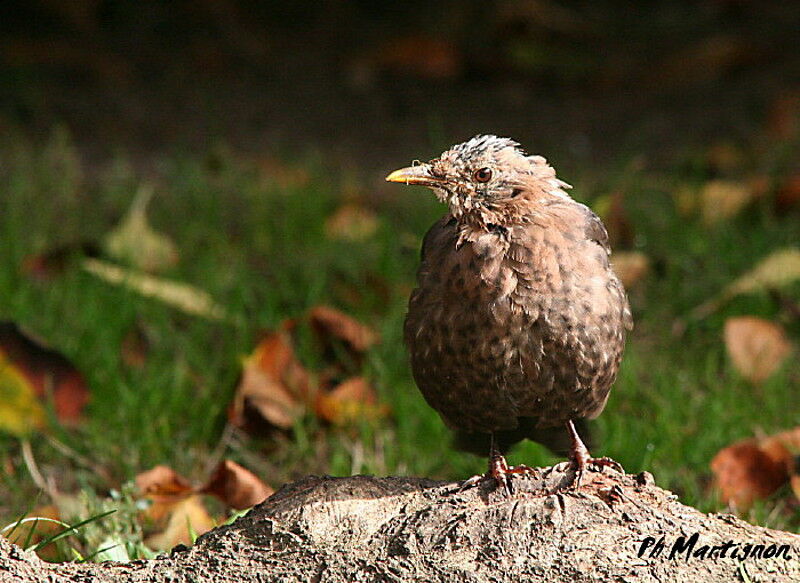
<point>189,516</point>
<point>723,199</point>
<point>135,241</point>
<point>778,269</point>
<point>179,295</point>
<point>20,410</point>
<point>756,347</point>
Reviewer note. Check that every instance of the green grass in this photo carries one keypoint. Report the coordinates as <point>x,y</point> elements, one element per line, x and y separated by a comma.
<point>261,251</point>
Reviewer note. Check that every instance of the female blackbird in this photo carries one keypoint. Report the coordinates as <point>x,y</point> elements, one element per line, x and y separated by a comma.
<point>518,322</point>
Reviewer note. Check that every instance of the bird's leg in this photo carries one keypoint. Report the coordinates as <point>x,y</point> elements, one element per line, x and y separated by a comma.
<point>499,470</point>
<point>582,459</point>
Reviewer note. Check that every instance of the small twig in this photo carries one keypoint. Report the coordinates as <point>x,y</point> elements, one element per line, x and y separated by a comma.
<point>82,460</point>
<point>215,457</point>
<point>33,469</point>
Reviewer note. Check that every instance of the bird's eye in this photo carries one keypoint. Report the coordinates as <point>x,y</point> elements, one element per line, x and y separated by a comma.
<point>482,175</point>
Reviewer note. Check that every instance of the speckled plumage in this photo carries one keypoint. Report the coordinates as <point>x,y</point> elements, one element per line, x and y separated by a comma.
<point>517,313</point>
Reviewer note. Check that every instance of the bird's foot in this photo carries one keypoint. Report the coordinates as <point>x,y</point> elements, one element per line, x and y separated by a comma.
<point>581,460</point>
<point>499,472</point>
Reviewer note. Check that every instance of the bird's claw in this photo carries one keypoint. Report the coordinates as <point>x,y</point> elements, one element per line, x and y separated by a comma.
<point>500,473</point>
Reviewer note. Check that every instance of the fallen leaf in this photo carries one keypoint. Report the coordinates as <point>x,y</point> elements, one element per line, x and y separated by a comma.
<point>756,347</point>
<point>350,401</point>
<point>30,373</point>
<point>185,297</point>
<point>20,410</point>
<point>39,524</point>
<point>630,266</point>
<point>273,383</point>
<point>330,323</point>
<point>136,242</point>
<point>236,486</point>
<point>164,487</point>
<point>723,199</point>
<point>162,481</point>
<point>351,222</point>
<point>744,472</point>
<point>778,269</point>
<point>186,518</point>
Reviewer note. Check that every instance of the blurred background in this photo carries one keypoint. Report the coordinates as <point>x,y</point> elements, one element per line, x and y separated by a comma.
<point>203,276</point>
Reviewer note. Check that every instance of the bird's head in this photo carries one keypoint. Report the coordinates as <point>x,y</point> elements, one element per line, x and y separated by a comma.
<point>486,180</point>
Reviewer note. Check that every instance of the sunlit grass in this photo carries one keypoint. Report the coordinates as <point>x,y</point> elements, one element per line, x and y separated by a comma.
<point>259,248</point>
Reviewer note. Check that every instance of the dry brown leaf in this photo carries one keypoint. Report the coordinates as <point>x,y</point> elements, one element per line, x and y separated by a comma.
<point>136,242</point>
<point>330,323</point>
<point>351,222</point>
<point>630,266</point>
<point>350,401</point>
<point>162,481</point>
<point>38,525</point>
<point>778,269</point>
<point>236,486</point>
<point>31,373</point>
<point>744,472</point>
<point>273,383</point>
<point>188,516</point>
<point>185,297</point>
<point>756,347</point>
<point>723,199</point>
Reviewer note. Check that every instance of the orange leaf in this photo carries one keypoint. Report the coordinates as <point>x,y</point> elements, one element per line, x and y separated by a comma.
<point>351,400</point>
<point>744,472</point>
<point>236,486</point>
<point>49,373</point>
<point>757,347</point>
<point>273,383</point>
<point>187,516</point>
<point>330,323</point>
<point>165,487</point>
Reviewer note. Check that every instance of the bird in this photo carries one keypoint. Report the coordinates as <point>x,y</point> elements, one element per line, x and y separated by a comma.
<point>517,325</point>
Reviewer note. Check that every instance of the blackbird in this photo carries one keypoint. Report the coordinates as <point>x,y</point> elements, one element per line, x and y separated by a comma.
<point>518,322</point>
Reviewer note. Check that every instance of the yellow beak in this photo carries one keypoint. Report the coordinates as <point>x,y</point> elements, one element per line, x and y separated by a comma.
<point>415,175</point>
